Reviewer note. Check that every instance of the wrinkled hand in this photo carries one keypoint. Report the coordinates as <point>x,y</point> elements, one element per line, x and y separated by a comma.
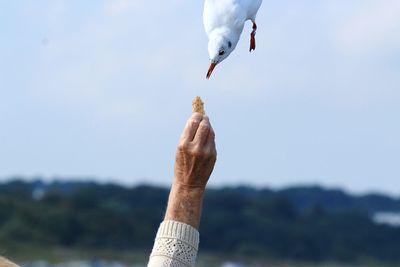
<point>196,153</point>
<point>194,163</point>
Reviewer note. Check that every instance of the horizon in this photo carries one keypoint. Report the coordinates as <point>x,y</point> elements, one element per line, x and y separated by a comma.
<point>104,182</point>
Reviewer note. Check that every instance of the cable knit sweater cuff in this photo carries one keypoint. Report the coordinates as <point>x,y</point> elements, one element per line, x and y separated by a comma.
<point>176,244</point>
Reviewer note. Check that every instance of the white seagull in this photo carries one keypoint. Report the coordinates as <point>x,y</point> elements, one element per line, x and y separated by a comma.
<point>224,22</point>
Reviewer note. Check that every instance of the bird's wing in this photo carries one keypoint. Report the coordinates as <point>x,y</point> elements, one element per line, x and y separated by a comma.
<point>253,7</point>
<point>223,13</point>
<point>210,15</point>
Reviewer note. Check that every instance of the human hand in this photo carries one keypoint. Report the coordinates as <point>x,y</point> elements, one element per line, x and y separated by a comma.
<point>196,153</point>
<point>194,163</point>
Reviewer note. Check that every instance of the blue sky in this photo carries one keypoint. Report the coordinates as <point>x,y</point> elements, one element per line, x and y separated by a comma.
<point>102,89</point>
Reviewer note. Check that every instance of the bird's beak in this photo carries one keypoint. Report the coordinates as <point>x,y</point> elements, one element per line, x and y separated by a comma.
<point>210,69</point>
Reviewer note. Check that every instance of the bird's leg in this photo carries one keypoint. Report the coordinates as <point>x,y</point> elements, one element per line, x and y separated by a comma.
<point>252,36</point>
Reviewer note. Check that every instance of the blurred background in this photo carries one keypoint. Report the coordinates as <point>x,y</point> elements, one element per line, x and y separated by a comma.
<point>94,95</point>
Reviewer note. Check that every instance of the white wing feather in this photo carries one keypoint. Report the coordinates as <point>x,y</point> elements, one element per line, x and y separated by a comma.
<point>224,13</point>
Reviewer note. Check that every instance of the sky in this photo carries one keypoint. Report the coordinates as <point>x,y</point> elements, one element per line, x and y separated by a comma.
<point>102,89</point>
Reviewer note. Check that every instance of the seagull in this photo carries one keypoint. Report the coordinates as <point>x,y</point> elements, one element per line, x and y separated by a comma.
<point>224,22</point>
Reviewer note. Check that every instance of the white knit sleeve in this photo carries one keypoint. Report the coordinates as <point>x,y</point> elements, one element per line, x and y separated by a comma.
<point>176,245</point>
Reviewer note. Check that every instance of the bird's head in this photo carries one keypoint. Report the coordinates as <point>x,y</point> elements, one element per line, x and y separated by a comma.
<point>219,48</point>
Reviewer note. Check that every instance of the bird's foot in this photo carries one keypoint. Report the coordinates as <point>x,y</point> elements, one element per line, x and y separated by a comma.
<point>253,37</point>
<point>252,43</point>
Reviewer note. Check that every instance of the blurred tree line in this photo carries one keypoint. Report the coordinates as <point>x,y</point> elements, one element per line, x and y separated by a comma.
<point>309,223</point>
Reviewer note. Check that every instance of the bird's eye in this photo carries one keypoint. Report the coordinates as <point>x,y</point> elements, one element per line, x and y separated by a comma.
<point>229,44</point>
<point>221,53</point>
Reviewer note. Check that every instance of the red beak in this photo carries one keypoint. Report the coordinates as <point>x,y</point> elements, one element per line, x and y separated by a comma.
<point>210,70</point>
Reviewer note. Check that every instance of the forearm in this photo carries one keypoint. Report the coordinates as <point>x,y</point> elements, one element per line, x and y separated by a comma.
<point>185,204</point>
<point>177,238</point>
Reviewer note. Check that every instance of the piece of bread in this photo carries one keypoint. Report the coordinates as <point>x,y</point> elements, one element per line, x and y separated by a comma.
<point>198,105</point>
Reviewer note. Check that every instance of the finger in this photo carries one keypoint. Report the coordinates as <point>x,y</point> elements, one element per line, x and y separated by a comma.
<point>191,127</point>
<point>202,132</point>
<point>211,138</point>
<point>211,142</point>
